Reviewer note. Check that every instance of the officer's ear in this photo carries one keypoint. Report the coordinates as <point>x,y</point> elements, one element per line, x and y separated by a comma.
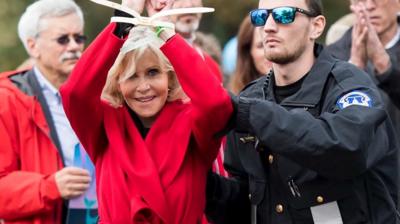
<point>317,26</point>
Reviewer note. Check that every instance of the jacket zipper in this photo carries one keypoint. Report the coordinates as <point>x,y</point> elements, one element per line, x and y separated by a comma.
<point>304,105</point>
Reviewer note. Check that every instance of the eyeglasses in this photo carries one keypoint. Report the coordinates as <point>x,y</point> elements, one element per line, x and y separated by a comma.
<point>282,15</point>
<point>65,39</point>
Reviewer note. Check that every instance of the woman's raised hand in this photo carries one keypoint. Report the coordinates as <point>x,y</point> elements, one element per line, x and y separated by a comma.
<point>137,5</point>
<point>155,6</point>
<point>152,6</point>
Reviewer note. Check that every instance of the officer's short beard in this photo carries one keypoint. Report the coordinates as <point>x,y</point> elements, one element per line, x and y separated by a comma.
<point>286,56</point>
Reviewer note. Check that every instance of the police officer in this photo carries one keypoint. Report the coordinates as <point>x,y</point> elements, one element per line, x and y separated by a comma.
<point>313,142</point>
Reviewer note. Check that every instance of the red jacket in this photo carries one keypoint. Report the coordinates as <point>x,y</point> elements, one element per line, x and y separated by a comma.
<point>160,179</point>
<point>28,160</point>
<point>213,66</point>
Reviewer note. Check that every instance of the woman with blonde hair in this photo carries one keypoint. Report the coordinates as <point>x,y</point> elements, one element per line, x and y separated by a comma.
<point>251,62</point>
<point>152,146</point>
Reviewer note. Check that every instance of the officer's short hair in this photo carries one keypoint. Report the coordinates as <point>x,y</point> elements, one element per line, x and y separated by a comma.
<point>31,21</point>
<point>315,6</point>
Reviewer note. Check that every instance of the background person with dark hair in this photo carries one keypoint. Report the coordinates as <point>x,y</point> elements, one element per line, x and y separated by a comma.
<point>251,63</point>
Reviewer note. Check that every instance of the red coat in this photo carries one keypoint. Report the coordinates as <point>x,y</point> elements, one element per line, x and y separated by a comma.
<point>160,179</point>
<point>213,66</point>
<point>28,160</point>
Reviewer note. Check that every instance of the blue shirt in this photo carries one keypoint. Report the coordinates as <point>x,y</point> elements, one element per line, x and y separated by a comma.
<point>66,135</point>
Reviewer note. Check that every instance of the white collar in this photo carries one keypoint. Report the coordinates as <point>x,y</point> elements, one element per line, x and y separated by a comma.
<point>44,83</point>
<point>394,40</point>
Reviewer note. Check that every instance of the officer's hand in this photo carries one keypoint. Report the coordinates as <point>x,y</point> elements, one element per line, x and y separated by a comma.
<point>242,114</point>
<point>358,55</point>
<point>72,182</point>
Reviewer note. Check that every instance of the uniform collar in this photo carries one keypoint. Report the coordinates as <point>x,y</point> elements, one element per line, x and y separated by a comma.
<point>312,88</point>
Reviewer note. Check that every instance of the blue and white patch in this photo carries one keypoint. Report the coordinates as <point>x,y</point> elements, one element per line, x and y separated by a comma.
<point>356,98</point>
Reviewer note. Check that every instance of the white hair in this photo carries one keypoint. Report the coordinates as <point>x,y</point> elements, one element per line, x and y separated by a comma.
<point>31,22</point>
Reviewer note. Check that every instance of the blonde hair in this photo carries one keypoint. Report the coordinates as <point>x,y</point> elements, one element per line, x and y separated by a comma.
<point>140,40</point>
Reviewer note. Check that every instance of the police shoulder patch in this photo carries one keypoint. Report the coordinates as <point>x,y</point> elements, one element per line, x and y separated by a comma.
<point>356,98</point>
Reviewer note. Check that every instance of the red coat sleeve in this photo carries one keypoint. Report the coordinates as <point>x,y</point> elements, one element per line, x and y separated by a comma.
<point>81,93</point>
<point>214,67</point>
<point>211,102</point>
<point>22,193</point>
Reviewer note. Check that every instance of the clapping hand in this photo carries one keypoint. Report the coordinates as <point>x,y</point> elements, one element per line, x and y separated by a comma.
<point>366,44</point>
<point>358,55</point>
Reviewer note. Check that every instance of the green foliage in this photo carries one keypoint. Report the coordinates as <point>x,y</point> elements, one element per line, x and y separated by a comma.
<point>223,23</point>
<point>11,50</point>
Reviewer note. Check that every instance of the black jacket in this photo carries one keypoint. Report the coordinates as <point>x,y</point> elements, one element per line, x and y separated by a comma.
<point>310,150</point>
<point>388,83</point>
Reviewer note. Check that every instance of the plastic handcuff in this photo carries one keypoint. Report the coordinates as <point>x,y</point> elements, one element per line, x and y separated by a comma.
<point>152,20</point>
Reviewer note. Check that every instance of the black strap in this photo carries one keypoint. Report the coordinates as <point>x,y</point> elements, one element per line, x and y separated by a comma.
<point>37,91</point>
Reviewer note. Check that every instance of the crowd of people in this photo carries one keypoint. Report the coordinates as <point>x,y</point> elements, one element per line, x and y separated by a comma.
<point>141,127</point>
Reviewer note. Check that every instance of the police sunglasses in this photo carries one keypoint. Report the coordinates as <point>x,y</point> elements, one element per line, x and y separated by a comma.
<point>282,15</point>
<point>65,39</point>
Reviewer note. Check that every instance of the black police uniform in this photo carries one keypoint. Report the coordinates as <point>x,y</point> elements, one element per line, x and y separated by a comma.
<point>330,143</point>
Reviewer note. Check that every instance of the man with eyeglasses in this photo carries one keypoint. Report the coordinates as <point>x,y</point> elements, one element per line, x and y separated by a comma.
<point>312,142</point>
<point>41,160</point>
<point>373,44</point>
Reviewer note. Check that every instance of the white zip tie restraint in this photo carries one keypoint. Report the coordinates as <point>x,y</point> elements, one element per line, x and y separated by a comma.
<point>150,21</point>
